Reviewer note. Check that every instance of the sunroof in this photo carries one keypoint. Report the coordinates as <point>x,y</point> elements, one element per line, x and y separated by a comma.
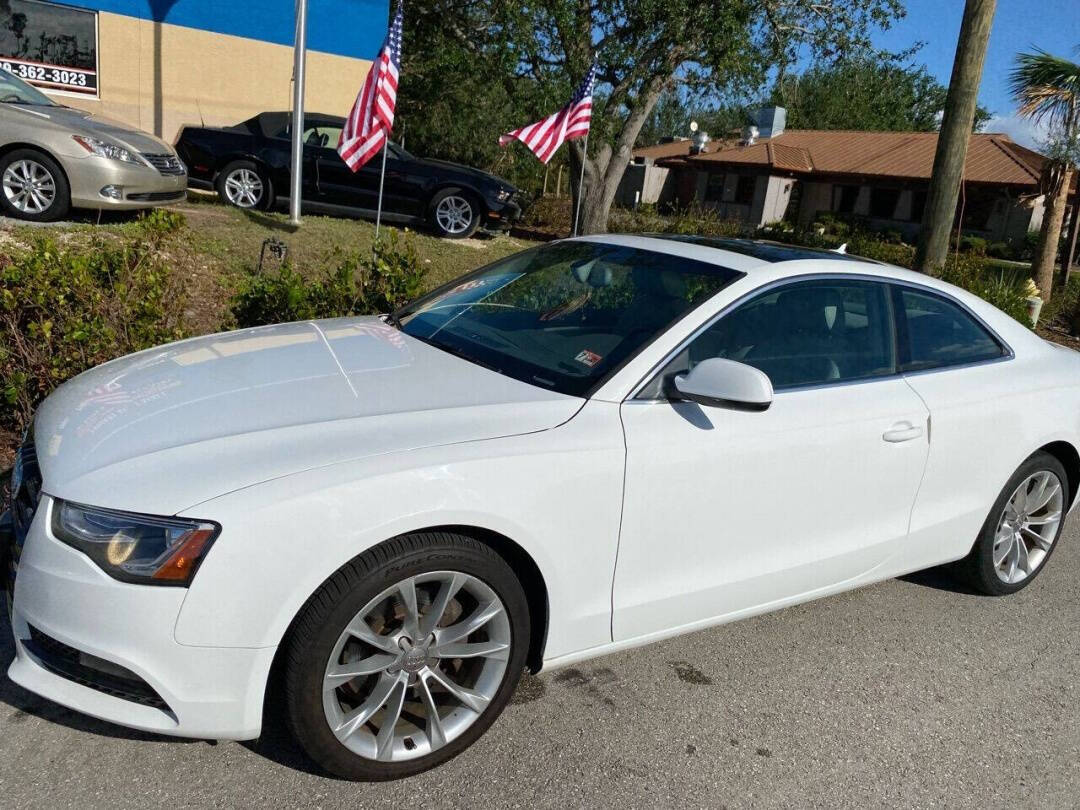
<point>759,249</point>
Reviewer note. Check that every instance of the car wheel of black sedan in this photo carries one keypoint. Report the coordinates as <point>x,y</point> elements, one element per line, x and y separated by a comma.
<point>455,213</point>
<point>244,185</point>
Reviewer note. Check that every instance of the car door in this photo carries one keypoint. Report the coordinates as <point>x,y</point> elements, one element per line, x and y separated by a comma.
<point>337,183</point>
<point>730,510</point>
<point>977,415</point>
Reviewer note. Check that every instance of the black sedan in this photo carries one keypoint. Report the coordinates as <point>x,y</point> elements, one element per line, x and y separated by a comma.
<point>248,165</point>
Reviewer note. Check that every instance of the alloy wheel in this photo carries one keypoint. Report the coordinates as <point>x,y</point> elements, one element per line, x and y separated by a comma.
<point>454,214</point>
<point>29,187</point>
<point>417,666</point>
<point>1028,527</point>
<point>244,188</point>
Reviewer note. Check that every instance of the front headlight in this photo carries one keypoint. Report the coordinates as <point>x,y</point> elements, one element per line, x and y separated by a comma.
<point>135,548</point>
<point>107,150</point>
<point>502,195</point>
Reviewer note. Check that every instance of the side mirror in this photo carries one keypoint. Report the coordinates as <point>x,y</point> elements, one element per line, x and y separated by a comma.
<point>719,382</point>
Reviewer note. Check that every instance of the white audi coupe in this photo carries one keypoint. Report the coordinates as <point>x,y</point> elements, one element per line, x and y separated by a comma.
<point>585,447</point>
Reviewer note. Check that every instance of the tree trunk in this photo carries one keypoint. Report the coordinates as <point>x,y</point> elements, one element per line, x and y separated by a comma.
<point>956,126</point>
<point>1042,268</point>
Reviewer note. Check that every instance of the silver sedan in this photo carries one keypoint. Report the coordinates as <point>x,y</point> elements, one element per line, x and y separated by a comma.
<point>53,158</point>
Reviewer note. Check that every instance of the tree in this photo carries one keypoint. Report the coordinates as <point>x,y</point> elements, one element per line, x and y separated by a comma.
<point>1047,88</point>
<point>644,48</point>
<point>956,124</point>
<point>867,92</point>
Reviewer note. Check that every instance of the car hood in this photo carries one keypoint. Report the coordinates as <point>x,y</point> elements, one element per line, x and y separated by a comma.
<point>165,429</point>
<point>83,123</point>
<point>468,171</point>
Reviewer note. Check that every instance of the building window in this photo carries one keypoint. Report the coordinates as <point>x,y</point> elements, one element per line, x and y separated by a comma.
<point>844,199</point>
<point>714,187</point>
<point>744,189</point>
<point>883,202</point>
<point>50,46</point>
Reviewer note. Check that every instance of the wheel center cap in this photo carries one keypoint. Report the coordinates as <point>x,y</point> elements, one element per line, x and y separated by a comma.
<point>414,660</point>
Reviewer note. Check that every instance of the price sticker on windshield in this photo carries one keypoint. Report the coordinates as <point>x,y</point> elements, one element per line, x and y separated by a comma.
<point>588,358</point>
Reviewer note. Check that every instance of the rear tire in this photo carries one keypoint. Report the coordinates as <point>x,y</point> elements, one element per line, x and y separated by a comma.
<point>409,661</point>
<point>33,187</point>
<point>1030,510</point>
<point>245,185</point>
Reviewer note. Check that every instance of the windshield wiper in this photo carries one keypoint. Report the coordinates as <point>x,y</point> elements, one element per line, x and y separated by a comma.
<point>393,320</point>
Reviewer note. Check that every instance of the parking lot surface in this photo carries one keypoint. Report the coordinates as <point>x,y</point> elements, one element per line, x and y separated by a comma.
<point>909,693</point>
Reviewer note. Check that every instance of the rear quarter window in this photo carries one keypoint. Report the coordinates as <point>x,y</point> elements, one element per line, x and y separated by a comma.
<point>936,332</point>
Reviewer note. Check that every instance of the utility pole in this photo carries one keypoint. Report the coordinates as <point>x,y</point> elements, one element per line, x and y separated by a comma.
<point>956,125</point>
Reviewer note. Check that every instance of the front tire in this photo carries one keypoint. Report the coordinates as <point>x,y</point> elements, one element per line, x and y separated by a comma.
<point>455,214</point>
<point>33,187</point>
<point>1022,529</point>
<point>405,656</point>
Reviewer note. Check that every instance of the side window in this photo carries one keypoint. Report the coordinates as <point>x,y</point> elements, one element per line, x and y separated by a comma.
<point>806,333</point>
<point>936,332</point>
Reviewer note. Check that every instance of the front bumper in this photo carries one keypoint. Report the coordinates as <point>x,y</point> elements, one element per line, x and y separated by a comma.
<point>205,692</point>
<point>502,216</point>
<point>141,186</point>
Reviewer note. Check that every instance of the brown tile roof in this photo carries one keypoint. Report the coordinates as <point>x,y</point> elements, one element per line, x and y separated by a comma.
<point>991,158</point>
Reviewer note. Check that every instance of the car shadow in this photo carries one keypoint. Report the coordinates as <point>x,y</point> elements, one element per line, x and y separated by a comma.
<point>940,579</point>
<point>266,221</point>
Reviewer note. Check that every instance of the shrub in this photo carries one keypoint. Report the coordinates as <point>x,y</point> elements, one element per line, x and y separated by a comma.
<point>973,244</point>
<point>999,250</point>
<point>1002,288</point>
<point>65,309</point>
<point>360,285</point>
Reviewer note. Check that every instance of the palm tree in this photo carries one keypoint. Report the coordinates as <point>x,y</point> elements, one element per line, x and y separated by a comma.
<point>1047,88</point>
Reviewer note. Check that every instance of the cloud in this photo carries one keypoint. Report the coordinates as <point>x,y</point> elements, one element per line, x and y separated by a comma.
<point>1022,130</point>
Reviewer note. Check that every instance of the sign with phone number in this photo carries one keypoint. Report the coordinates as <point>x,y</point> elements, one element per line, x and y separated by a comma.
<point>52,77</point>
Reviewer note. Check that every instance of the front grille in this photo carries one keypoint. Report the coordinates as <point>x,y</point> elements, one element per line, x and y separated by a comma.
<point>167,164</point>
<point>157,196</point>
<point>90,671</point>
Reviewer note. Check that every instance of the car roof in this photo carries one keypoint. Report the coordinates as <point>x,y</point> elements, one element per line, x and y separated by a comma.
<point>763,249</point>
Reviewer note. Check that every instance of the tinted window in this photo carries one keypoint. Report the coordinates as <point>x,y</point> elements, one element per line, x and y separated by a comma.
<point>807,333</point>
<point>937,332</point>
<point>564,315</point>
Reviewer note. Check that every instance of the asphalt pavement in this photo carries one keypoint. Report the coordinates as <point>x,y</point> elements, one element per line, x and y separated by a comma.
<point>909,693</point>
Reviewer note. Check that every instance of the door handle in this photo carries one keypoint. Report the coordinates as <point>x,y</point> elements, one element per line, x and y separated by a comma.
<point>902,432</point>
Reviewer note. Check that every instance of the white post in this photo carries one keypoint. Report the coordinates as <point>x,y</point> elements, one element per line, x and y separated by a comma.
<point>581,181</point>
<point>382,179</point>
<point>299,71</point>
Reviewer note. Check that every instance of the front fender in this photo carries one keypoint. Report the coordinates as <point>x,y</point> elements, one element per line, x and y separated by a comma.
<point>556,493</point>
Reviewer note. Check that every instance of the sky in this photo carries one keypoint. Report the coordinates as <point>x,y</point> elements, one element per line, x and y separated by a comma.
<point>1019,25</point>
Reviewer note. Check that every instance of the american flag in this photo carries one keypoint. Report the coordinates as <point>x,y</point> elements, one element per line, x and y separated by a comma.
<point>572,121</point>
<point>372,117</point>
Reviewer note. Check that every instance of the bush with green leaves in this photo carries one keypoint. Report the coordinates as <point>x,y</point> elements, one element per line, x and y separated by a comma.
<point>1005,289</point>
<point>65,308</point>
<point>361,284</point>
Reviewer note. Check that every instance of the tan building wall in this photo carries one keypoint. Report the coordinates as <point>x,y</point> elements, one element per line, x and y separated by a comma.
<point>158,77</point>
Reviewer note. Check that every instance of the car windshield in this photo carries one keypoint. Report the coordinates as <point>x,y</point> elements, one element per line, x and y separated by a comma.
<point>15,91</point>
<point>565,315</point>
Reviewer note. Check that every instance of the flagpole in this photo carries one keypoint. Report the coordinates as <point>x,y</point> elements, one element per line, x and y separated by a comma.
<point>581,181</point>
<point>299,81</point>
<point>382,179</point>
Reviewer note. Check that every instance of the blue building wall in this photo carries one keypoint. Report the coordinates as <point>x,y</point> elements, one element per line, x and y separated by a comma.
<point>353,28</point>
